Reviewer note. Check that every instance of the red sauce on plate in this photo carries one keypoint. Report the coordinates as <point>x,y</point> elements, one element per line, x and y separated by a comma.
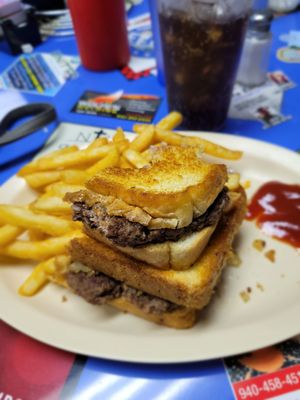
<point>276,209</point>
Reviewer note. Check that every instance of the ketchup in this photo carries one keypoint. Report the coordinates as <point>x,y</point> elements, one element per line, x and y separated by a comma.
<point>276,209</point>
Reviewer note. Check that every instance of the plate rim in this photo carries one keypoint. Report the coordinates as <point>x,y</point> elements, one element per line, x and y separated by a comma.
<point>155,359</point>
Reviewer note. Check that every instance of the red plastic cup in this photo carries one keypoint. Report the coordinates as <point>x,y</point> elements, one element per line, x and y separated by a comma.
<point>101,33</point>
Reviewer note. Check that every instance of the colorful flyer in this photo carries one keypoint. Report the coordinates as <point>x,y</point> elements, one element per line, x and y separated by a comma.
<point>262,103</point>
<point>142,62</point>
<point>132,107</point>
<point>270,373</point>
<point>39,73</point>
<point>140,36</point>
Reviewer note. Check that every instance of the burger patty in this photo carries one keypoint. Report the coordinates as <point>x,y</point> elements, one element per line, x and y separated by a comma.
<point>126,233</point>
<point>98,288</point>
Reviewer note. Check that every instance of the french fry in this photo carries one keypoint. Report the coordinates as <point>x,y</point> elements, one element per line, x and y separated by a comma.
<point>111,160</point>
<point>35,235</point>
<point>144,140</point>
<point>171,121</point>
<point>208,147</point>
<point>32,166</point>
<point>124,163</point>
<point>60,189</point>
<point>122,145</point>
<point>38,180</point>
<point>81,157</point>
<point>73,159</point>
<point>51,205</point>
<point>169,137</point>
<point>246,184</point>
<point>168,123</point>
<point>233,181</point>
<point>120,140</point>
<point>135,158</point>
<point>25,218</point>
<point>8,233</point>
<point>119,136</point>
<point>43,273</point>
<point>38,278</point>
<point>101,141</point>
<point>62,263</point>
<point>40,250</point>
<point>74,177</point>
<point>58,152</point>
<point>139,128</point>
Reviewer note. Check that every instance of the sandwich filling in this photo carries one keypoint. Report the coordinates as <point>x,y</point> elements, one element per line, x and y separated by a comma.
<point>98,288</point>
<point>127,233</point>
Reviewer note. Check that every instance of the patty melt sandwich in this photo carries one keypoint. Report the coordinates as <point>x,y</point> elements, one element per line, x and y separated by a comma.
<point>164,214</point>
<point>157,238</point>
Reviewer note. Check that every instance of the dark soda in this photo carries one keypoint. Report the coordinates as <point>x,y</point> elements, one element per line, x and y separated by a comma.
<point>201,61</point>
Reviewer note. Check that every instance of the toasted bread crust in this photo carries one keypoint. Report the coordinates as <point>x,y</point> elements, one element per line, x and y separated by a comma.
<point>192,288</point>
<point>182,318</point>
<point>177,186</point>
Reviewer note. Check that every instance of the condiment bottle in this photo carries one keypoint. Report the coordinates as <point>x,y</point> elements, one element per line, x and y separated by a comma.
<point>101,33</point>
<point>256,51</point>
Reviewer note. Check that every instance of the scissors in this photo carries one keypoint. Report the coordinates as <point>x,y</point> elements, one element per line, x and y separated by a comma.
<point>42,114</point>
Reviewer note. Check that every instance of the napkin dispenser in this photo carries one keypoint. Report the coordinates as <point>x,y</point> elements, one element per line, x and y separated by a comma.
<point>21,35</point>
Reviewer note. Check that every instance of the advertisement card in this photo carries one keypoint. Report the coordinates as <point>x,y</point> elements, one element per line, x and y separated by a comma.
<point>132,107</point>
<point>269,373</point>
<point>39,73</point>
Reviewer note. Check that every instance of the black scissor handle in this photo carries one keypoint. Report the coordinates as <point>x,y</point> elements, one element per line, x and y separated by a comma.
<point>42,115</point>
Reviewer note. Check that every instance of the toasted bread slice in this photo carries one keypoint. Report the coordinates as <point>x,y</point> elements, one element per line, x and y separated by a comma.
<point>181,318</point>
<point>176,186</point>
<point>177,255</point>
<point>192,288</point>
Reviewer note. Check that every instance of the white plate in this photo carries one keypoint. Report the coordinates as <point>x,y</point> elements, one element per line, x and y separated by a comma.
<point>228,326</point>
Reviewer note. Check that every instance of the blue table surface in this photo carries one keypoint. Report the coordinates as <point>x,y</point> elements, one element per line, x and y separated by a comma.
<point>108,379</point>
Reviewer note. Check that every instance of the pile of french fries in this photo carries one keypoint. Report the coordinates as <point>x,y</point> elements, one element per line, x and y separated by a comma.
<point>41,231</point>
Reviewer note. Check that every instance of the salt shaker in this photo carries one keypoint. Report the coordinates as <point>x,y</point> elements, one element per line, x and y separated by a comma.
<point>256,51</point>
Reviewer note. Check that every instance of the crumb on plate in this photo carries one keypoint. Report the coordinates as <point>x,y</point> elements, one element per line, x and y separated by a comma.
<point>260,286</point>
<point>64,299</point>
<point>270,255</point>
<point>246,184</point>
<point>233,259</point>
<point>245,296</point>
<point>259,244</point>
